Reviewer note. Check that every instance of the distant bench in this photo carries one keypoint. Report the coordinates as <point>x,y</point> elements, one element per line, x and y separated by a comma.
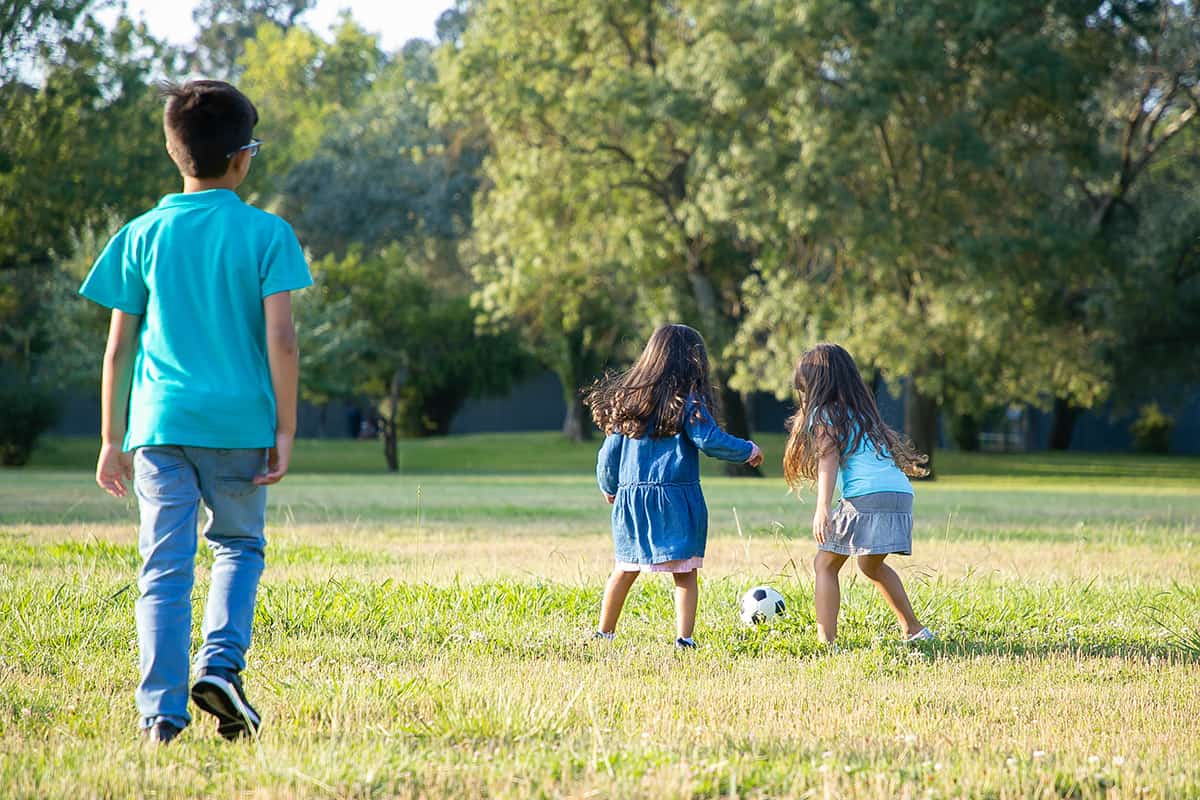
<point>1010,442</point>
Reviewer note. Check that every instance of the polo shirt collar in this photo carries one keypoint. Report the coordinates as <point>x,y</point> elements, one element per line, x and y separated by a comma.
<point>206,197</point>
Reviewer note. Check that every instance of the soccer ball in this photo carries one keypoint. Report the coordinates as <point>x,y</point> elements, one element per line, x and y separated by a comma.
<point>760,604</point>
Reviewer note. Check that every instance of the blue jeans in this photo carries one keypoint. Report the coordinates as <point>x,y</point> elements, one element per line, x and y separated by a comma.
<point>170,483</point>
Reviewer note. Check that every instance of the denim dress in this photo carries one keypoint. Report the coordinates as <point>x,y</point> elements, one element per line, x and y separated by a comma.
<point>659,514</point>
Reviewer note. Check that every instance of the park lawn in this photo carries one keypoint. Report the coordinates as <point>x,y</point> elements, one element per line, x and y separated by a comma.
<point>422,635</point>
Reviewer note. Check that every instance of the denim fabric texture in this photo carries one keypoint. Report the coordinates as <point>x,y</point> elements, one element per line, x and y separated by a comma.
<point>659,514</point>
<point>171,483</point>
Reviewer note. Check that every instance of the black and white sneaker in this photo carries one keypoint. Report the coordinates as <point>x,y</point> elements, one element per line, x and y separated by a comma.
<point>685,643</point>
<point>221,694</point>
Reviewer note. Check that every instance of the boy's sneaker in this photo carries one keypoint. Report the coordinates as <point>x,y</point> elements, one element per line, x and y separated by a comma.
<point>601,636</point>
<point>220,694</point>
<point>162,732</point>
<point>685,644</point>
<point>923,635</point>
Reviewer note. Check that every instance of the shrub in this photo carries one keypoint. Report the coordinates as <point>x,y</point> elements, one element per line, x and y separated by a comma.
<point>26,412</point>
<point>1152,430</point>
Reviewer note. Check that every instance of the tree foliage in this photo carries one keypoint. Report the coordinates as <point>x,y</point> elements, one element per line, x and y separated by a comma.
<point>413,348</point>
<point>226,27</point>
<point>301,84</point>
<point>988,202</point>
<point>618,101</point>
<point>32,29</point>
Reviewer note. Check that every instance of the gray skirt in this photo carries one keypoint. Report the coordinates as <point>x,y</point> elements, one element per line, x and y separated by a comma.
<point>871,524</point>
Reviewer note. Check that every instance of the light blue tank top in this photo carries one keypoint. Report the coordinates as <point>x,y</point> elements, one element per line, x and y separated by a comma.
<point>868,470</point>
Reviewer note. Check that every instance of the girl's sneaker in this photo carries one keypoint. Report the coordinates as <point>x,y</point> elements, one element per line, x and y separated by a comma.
<point>601,636</point>
<point>923,635</point>
<point>685,644</point>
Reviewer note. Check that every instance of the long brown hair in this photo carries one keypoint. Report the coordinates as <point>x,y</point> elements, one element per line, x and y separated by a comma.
<point>832,398</point>
<point>649,398</point>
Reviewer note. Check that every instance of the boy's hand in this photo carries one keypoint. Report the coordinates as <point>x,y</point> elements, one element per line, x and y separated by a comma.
<point>756,456</point>
<point>611,498</point>
<point>114,469</point>
<point>820,525</point>
<point>279,458</point>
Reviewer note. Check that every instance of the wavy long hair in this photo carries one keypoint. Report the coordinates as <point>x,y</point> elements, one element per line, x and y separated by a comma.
<point>831,397</point>
<point>649,398</point>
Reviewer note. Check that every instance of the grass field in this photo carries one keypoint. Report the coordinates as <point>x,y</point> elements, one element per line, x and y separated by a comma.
<point>421,635</point>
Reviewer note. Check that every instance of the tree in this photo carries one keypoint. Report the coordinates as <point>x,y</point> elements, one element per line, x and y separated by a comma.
<point>30,30</point>
<point>417,350</point>
<point>83,144</point>
<point>384,173</point>
<point>226,26</point>
<point>300,84</point>
<point>618,97</point>
<point>384,202</point>
<point>917,222</point>
<point>79,150</point>
<point>1144,111</point>
<point>542,266</point>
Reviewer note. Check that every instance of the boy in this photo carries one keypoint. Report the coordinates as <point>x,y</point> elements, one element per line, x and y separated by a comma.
<point>198,399</point>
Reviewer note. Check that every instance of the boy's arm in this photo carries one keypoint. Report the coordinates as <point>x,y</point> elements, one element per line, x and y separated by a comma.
<point>114,467</point>
<point>827,469</point>
<point>283,356</point>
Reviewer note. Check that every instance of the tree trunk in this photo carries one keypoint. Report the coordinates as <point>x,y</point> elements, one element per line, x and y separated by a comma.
<point>387,426</point>
<point>921,422</point>
<point>576,426</point>
<point>733,406</point>
<point>1063,428</point>
<point>572,373</point>
<point>737,423</point>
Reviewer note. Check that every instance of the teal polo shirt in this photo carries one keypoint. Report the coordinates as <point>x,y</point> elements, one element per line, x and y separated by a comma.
<point>196,268</point>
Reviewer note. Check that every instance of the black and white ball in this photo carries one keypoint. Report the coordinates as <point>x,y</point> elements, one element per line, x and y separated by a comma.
<point>761,604</point>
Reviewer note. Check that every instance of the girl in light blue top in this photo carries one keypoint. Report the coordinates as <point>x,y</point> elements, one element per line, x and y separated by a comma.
<point>837,436</point>
<point>657,417</point>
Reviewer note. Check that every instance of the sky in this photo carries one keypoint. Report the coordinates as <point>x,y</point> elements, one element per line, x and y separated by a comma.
<point>396,21</point>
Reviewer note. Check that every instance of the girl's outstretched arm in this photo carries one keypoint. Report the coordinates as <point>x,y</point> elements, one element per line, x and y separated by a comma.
<point>608,464</point>
<point>709,439</point>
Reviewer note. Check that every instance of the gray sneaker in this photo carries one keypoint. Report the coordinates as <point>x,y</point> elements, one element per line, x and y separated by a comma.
<point>923,635</point>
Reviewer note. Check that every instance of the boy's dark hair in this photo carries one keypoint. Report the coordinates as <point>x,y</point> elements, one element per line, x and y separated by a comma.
<point>650,398</point>
<point>204,122</point>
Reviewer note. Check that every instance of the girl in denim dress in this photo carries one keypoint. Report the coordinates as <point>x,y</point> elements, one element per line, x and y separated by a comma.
<point>656,418</point>
<point>838,440</point>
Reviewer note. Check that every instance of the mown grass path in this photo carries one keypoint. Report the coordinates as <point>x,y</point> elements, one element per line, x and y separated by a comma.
<point>422,635</point>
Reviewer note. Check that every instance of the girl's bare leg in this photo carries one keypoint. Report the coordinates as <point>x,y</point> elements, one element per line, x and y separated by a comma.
<point>687,596</point>
<point>615,592</point>
<point>828,593</point>
<point>892,587</point>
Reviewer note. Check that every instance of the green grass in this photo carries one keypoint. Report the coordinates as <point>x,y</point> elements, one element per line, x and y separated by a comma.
<point>547,453</point>
<point>420,635</point>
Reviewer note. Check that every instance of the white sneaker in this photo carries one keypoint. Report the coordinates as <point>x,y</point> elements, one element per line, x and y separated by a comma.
<point>923,635</point>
